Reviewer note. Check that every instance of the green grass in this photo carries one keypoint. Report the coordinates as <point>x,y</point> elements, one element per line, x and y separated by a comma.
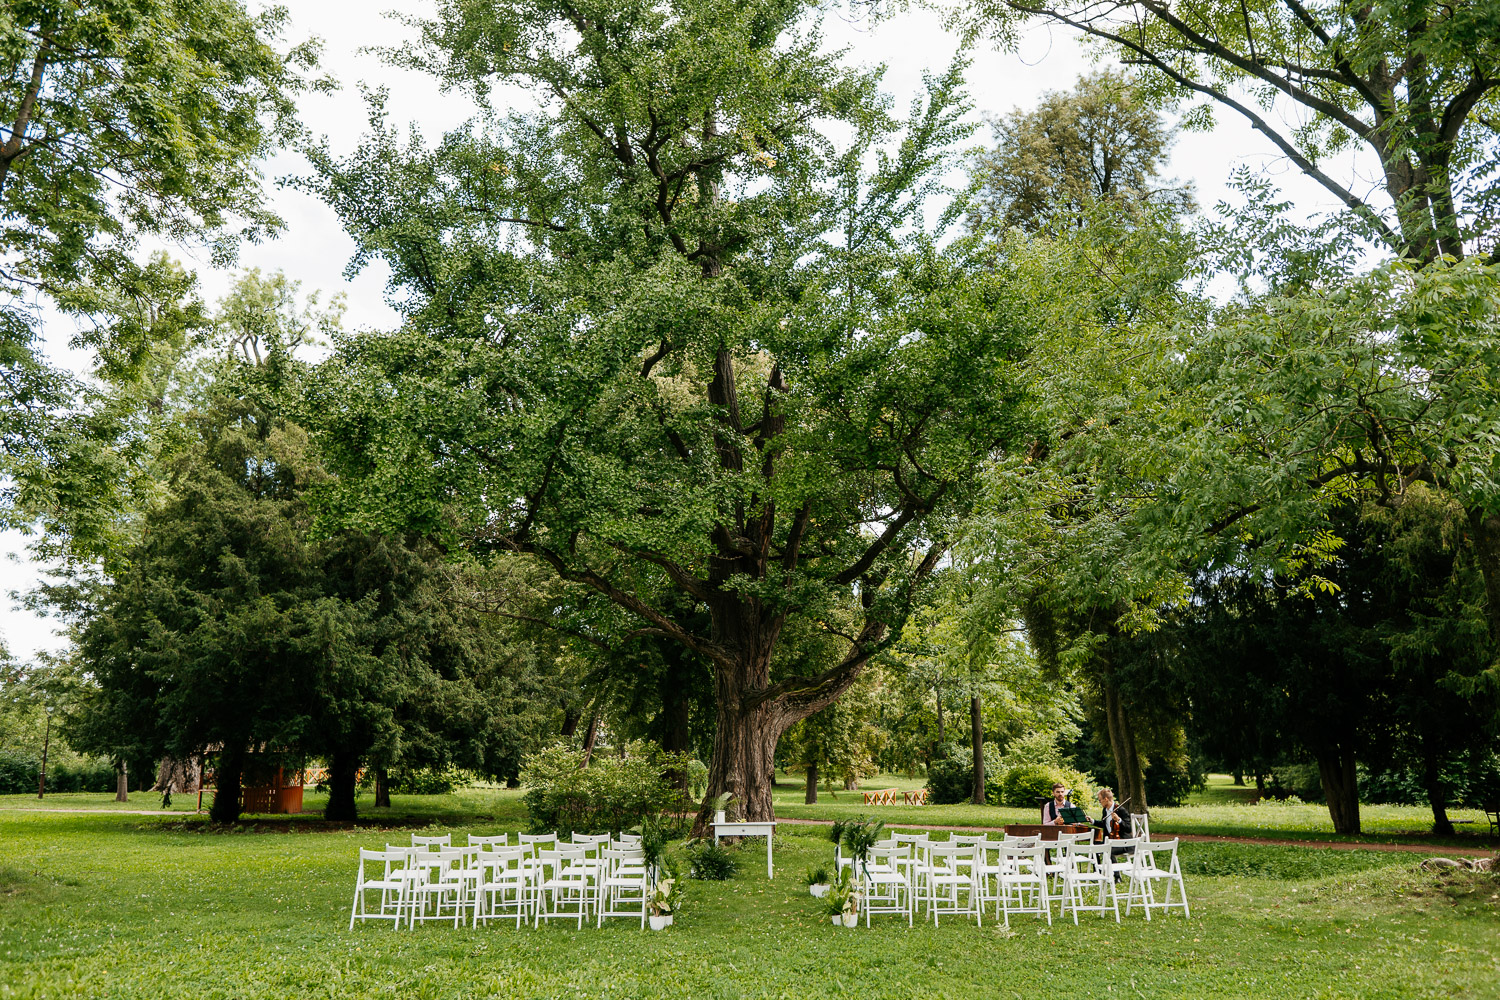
<point>118,906</point>
<point>1220,809</point>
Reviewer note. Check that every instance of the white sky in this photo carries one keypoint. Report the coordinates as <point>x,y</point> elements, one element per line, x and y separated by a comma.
<point>314,249</point>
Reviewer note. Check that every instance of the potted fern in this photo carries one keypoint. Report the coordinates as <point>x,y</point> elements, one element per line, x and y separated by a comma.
<point>817,880</point>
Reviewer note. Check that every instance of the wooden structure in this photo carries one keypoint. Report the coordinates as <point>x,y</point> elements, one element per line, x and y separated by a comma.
<point>280,793</point>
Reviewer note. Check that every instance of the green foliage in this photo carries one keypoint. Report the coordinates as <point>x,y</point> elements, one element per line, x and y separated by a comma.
<point>613,792</point>
<point>712,862</point>
<point>843,896</point>
<point>1102,141</point>
<point>860,835</point>
<point>428,780</point>
<point>950,778</point>
<point>816,874</point>
<point>19,770</point>
<point>1431,132</point>
<point>128,122</point>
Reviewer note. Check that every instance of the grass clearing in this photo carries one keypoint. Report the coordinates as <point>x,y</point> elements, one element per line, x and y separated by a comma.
<point>118,906</point>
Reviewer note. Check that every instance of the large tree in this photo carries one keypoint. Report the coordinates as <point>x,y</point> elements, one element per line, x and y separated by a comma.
<point>661,334</point>
<point>121,121</point>
<point>1416,86</point>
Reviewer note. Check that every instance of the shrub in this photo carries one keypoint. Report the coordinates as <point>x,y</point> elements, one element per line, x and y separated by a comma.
<point>1302,780</point>
<point>711,861</point>
<point>429,780</point>
<point>18,772</point>
<point>611,794</point>
<point>1023,785</point>
<point>951,778</point>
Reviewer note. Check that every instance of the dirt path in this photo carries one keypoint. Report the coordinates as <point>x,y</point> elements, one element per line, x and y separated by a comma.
<point>1336,845</point>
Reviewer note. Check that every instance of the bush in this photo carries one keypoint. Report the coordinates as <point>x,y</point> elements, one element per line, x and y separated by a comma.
<point>611,794</point>
<point>1302,780</point>
<point>429,780</point>
<point>19,771</point>
<point>1023,785</point>
<point>951,778</point>
<point>711,861</point>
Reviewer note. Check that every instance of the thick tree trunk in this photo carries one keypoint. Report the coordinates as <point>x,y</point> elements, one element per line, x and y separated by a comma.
<point>1128,770</point>
<point>810,797</point>
<point>382,788</point>
<point>1239,777</point>
<point>1340,786</point>
<point>976,733</point>
<point>343,771</point>
<point>1437,795</point>
<point>228,772</point>
<point>122,782</point>
<point>590,737</point>
<point>743,762</point>
<point>571,718</point>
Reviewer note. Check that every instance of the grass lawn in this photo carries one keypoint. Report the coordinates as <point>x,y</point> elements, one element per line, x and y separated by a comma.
<point>112,906</point>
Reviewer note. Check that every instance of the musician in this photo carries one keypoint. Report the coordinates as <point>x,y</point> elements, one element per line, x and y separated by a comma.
<point>1053,807</point>
<point>1113,819</point>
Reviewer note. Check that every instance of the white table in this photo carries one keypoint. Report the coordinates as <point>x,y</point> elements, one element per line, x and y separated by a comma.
<point>767,830</point>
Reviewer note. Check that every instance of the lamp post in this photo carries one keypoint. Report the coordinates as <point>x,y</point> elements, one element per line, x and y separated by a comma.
<point>41,781</point>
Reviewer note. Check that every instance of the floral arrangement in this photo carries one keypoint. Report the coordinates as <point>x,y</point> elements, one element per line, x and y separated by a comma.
<point>663,898</point>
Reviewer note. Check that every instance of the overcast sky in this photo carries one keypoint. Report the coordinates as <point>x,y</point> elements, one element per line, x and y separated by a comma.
<point>314,250</point>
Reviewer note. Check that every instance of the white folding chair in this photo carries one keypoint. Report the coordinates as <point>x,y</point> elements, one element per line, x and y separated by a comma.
<point>502,890</point>
<point>950,882</point>
<point>563,890</point>
<point>534,842</point>
<point>885,882</point>
<point>391,882</point>
<point>432,843</point>
<point>490,843</point>
<point>1022,883</point>
<point>438,892</point>
<point>1088,872</point>
<point>624,885</point>
<point>1140,826</point>
<point>1146,871</point>
<point>919,866</point>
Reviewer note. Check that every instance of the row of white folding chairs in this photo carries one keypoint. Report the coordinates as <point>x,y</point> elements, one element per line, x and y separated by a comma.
<point>540,877</point>
<point>958,876</point>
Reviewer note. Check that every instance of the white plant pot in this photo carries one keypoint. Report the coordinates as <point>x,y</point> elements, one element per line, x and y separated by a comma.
<point>669,919</point>
<point>850,919</point>
<point>657,923</point>
<point>838,920</point>
<point>819,889</point>
<point>719,816</point>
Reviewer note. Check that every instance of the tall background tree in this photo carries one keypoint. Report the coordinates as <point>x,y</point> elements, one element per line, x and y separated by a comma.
<point>122,121</point>
<point>1412,86</point>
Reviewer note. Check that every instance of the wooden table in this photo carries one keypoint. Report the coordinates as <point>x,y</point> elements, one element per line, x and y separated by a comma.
<point>767,830</point>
